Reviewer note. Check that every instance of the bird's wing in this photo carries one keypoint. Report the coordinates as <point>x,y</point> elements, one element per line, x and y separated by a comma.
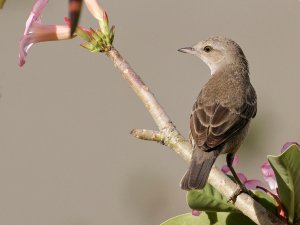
<point>212,125</point>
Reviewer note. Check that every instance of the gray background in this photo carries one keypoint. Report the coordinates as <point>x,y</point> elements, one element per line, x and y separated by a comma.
<point>66,156</point>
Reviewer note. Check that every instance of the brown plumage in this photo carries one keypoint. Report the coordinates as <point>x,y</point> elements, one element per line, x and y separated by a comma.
<point>221,114</point>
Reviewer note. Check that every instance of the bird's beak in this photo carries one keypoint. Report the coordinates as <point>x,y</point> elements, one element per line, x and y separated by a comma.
<point>189,50</point>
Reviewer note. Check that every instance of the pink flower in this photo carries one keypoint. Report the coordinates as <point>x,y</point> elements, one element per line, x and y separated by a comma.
<point>269,176</point>
<point>36,32</point>
<point>225,168</point>
<point>92,5</point>
<point>267,171</point>
<point>196,212</point>
<point>249,184</point>
<point>95,9</point>
<point>288,144</point>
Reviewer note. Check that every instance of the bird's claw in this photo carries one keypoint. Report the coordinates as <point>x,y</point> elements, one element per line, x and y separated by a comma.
<point>240,190</point>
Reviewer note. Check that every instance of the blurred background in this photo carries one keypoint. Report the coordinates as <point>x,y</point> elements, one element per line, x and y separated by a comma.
<point>66,155</point>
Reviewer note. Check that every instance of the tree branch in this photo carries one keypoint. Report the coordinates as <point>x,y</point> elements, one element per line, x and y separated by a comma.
<point>148,135</point>
<point>169,136</point>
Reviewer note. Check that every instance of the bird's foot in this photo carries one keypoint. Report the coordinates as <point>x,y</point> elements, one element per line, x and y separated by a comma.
<point>240,190</point>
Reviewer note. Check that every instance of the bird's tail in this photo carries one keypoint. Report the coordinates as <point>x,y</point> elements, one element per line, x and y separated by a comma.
<point>200,166</point>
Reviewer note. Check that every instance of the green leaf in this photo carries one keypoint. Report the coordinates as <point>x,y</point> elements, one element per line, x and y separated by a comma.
<point>266,201</point>
<point>287,172</point>
<point>83,34</point>
<point>211,218</point>
<point>88,46</point>
<point>209,199</point>
<point>100,40</point>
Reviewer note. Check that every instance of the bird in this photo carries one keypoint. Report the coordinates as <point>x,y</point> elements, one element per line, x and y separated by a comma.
<point>223,110</point>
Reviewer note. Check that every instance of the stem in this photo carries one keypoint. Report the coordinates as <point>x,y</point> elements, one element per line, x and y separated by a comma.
<point>169,136</point>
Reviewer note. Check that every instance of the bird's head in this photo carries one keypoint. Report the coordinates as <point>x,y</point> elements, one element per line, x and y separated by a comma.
<point>217,52</point>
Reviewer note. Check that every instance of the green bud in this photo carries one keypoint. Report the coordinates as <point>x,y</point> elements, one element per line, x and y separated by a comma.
<point>83,34</point>
<point>88,46</point>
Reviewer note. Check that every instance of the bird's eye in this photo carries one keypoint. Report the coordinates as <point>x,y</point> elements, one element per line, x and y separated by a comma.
<point>207,48</point>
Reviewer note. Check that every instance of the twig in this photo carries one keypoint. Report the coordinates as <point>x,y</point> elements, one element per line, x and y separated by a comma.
<point>148,135</point>
<point>169,136</point>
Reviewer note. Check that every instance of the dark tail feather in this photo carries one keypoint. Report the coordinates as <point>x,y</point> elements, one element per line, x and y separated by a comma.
<point>197,174</point>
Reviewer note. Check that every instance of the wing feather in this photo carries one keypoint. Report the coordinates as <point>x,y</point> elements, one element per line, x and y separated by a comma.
<point>212,125</point>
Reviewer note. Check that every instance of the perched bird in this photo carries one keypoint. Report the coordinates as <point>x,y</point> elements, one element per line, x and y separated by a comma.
<point>223,110</point>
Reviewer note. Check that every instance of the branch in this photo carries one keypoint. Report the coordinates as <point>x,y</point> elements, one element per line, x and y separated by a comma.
<point>169,136</point>
<point>148,135</point>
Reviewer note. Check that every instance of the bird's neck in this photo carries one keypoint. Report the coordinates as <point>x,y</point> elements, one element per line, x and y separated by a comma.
<point>238,67</point>
<point>215,67</point>
<point>231,75</point>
